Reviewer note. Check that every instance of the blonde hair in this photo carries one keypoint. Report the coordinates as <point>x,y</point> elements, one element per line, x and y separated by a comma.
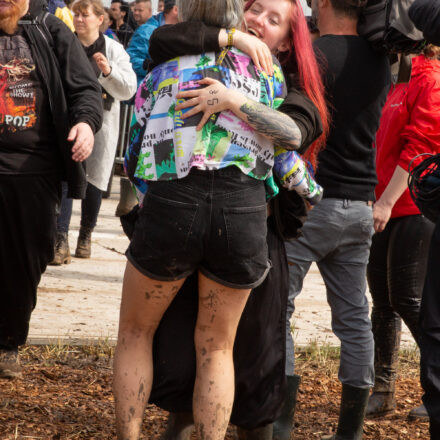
<point>431,51</point>
<point>220,13</point>
<point>83,6</point>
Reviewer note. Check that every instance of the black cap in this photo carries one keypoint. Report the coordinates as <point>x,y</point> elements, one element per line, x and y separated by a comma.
<point>426,16</point>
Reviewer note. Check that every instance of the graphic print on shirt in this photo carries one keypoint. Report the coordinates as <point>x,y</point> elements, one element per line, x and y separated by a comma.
<point>17,88</point>
<point>171,146</point>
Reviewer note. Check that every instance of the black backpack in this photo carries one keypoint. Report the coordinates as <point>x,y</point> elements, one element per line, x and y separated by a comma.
<point>388,28</point>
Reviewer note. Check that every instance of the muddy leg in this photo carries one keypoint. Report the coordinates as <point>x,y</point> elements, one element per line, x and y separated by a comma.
<point>220,309</point>
<point>144,301</point>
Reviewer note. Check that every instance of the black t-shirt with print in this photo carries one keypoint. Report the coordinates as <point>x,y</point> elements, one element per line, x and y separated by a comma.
<point>27,135</point>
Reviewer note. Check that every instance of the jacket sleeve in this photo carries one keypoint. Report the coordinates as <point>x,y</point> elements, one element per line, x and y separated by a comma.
<point>121,83</point>
<point>305,114</point>
<point>81,88</point>
<point>180,39</point>
<point>139,47</point>
<point>422,132</point>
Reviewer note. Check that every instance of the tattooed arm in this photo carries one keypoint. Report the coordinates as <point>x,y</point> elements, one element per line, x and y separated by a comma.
<point>272,124</point>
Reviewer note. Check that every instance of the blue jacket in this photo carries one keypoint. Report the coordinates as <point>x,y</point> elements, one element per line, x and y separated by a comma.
<point>138,49</point>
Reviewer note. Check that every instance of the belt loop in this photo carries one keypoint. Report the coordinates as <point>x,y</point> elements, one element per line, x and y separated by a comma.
<point>345,203</point>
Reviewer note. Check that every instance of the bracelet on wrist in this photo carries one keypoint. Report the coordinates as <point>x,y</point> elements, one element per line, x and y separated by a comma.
<point>230,33</point>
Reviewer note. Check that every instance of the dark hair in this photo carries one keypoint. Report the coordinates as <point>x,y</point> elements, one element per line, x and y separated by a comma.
<point>311,24</point>
<point>124,5</point>
<point>168,6</point>
<point>349,8</point>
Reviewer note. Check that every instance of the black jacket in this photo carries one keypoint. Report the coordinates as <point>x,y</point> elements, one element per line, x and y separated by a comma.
<point>426,16</point>
<point>73,90</point>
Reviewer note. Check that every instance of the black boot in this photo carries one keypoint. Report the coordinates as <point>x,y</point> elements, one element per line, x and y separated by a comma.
<point>62,250</point>
<point>351,414</point>
<point>387,329</point>
<point>420,414</point>
<point>262,433</point>
<point>84,244</point>
<point>283,426</point>
<point>180,426</point>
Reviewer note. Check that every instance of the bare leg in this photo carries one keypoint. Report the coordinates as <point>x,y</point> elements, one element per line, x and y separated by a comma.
<point>144,301</point>
<point>220,309</point>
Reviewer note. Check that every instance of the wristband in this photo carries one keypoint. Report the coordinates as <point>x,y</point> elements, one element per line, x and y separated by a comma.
<point>230,33</point>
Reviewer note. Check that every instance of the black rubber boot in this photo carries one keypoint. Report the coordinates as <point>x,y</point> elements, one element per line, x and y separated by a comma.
<point>62,250</point>
<point>84,244</point>
<point>283,426</point>
<point>262,433</point>
<point>351,414</point>
<point>387,329</point>
<point>127,199</point>
<point>420,414</point>
<point>180,426</point>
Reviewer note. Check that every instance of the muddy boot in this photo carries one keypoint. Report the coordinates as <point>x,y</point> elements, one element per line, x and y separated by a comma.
<point>9,364</point>
<point>180,426</point>
<point>283,426</point>
<point>62,250</point>
<point>351,414</point>
<point>386,330</point>
<point>127,200</point>
<point>84,244</point>
<point>420,414</point>
<point>261,433</point>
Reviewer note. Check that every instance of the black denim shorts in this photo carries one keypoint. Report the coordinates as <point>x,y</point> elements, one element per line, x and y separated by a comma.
<point>212,221</point>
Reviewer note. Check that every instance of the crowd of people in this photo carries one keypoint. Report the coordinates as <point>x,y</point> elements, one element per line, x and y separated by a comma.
<point>253,153</point>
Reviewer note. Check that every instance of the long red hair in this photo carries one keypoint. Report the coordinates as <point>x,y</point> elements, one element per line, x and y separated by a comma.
<point>301,59</point>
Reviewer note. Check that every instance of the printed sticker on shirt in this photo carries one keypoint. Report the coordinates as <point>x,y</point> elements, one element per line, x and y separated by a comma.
<point>17,96</point>
<point>17,88</point>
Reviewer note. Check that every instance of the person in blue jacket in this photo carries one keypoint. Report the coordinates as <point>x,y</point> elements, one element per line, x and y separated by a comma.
<point>138,48</point>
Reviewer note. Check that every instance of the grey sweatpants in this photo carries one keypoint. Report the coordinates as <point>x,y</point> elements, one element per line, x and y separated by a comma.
<point>337,236</point>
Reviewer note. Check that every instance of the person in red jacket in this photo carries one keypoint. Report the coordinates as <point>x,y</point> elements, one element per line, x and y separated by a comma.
<point>410,125</point>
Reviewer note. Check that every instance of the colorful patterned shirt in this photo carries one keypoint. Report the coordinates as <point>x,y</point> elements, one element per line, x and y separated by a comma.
<point>166,147</point>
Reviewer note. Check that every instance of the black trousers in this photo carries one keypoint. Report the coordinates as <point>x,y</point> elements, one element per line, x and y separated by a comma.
<point>397,267</point>
<point>90,207</point>
<point>430,336</point>
<point>259,350</point>
<point>27,236</point>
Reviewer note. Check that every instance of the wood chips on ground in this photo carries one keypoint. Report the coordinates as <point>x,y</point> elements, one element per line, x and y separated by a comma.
<point>66,393</point>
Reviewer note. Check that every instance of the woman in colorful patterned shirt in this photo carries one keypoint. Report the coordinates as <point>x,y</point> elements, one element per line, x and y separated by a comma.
<point>204,210</point>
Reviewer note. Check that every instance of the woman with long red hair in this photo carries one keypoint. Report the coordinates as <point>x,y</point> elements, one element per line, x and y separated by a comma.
<point>274,27</point>
<point>264,20</point>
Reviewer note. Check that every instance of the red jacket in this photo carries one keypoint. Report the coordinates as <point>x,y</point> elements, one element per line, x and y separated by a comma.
<point>410,125</point>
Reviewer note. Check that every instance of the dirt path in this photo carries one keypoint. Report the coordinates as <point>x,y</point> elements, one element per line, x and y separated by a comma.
<point>80,301</point>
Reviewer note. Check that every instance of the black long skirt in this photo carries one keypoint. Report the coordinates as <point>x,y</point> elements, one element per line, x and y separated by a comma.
<point>27,237</point>
<point>259,350</point>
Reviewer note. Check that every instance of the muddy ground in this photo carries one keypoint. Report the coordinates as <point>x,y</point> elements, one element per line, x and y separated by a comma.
<point>66,394</point>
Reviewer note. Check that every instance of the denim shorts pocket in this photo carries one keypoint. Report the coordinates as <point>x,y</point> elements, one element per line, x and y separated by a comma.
<point>167,224</point>
<point>246,230</point>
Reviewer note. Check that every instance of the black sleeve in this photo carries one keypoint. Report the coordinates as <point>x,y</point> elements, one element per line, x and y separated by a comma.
<point>426,16</point>
<point>187,38</point>
<point>81,87</point>
<point>305,114</point>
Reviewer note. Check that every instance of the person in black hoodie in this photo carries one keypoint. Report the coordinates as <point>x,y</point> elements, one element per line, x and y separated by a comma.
<point>426,16</point>
<point>50,107</point>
